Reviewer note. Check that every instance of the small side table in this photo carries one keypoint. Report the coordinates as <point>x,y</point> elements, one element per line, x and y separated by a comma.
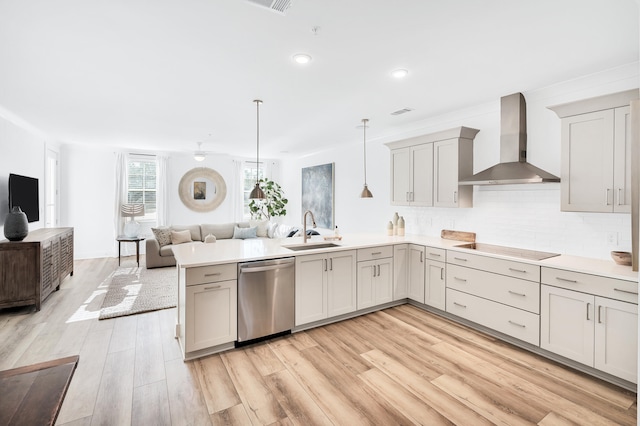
<point>124,239</point>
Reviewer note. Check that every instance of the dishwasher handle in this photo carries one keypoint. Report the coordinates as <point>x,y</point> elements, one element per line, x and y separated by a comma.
<point>269,265</point>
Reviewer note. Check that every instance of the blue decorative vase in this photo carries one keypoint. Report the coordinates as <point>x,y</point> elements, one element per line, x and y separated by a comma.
<point>16,226</point>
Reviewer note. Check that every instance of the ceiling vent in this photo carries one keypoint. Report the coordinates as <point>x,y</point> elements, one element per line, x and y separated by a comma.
<point>401,111</point>
<point>279,6</point>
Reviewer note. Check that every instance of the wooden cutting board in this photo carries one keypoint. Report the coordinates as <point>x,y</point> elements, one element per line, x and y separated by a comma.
<point>447,234</point>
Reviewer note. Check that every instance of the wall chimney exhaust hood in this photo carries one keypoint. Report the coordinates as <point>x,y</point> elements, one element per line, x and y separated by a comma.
<point>513,167</point>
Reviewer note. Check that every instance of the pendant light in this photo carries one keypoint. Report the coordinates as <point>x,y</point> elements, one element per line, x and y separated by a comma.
<point>257,193</point>
<point>365,191</point>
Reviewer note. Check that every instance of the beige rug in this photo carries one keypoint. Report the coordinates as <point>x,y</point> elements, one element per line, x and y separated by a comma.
<point>134,290</point>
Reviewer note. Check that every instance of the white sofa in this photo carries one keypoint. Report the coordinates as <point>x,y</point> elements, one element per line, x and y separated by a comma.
<point>159,256</point>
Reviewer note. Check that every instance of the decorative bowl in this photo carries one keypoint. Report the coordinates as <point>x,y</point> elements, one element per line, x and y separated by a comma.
<point>621,257</point>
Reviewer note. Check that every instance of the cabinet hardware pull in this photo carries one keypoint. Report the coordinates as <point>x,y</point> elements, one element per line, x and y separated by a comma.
<point>460,258</point>
<point>619,196</point>
<point>625,291</point>
<point>325,265</point>
<point>441,274</point>
<point>212,275</point>
<point>606,197</point>
<point>517,324</point>
<point>459,279</point>
<point>378,270</point>
<point>374,271</point>
<point>212,288</point>
<point>460,304</point>
<point>421,257</point>
<point>331,264</point>
<point>518,270</point>
<point>588,305</point>
<point>455,196</point>
<point>599,314</point>
<point>434,254</point>
<point>566,280</point>
<point>517,294</point>
<point>376,253</point>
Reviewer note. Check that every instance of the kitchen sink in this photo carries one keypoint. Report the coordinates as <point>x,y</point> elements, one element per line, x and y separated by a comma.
<point>508,251</point>
<point>311,246</point>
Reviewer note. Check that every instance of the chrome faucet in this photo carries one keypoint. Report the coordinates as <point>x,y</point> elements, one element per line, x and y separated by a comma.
<point>305,237</point>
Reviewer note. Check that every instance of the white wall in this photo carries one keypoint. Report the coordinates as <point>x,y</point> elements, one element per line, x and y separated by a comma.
<point>526,216</point>
<point>22,151</point>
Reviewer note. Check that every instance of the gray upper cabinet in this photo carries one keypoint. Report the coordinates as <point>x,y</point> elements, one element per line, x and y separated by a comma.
<point>596,154</point>
<point>425,170</point>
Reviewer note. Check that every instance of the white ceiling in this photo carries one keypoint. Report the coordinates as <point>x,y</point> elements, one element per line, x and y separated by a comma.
<point>165,74</point>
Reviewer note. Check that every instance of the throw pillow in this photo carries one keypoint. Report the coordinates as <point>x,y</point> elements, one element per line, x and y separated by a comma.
<point>163,236</point>
<point>283,231</point>
<point>210,238</point>
<point>244,233</point>
<point>179,237</point>
<point>271,229</point>
<point>261,227</point>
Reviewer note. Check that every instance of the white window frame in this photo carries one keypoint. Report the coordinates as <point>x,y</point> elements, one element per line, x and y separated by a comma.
<point>146,158</point>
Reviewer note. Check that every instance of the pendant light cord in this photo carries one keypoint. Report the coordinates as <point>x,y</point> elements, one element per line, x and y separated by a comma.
<point>258,102</point>
<point>364,144</point>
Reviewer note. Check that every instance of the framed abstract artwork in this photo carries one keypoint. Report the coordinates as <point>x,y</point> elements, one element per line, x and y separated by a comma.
<point>318,193</point>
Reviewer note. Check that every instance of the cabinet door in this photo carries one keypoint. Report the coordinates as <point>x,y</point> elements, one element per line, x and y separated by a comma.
<point>421,185</point>
<point>587,162</point>
<point>622,161</point>
<point>49,270</point>
<point>211,315</point>
<point>400,176</point>
<point>616,338</point>
<point>400,269</point>
<point>341,283</point>
<point>311,288</point>
<point>383,283</point>
<point>416,273</point>
<point>66,254</point>
<point>366,277</point>
<point>445,173</point>
<point>566,323</point>
<point>435,287</point>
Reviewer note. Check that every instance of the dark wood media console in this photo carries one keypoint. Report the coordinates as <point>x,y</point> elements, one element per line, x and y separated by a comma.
<point>33,268</point>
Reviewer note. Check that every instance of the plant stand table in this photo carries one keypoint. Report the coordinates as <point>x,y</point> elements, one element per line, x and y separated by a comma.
<point>124,239</point>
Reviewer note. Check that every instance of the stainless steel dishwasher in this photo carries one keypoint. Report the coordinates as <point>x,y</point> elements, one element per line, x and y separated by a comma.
<point>265,298</point>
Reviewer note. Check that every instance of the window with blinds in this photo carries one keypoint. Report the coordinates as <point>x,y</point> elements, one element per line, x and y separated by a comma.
<point>141,184</point>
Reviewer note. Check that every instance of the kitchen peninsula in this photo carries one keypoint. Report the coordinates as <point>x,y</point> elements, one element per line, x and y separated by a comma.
<point>581,312</point>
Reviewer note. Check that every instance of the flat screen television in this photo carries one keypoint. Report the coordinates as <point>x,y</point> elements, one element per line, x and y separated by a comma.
<point>23,192</point>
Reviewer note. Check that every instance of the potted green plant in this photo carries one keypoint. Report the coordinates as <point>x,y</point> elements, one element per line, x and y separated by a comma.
<point>274,203</point>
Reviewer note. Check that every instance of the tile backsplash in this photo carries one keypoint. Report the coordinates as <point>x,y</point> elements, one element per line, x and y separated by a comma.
<point>526,216</point>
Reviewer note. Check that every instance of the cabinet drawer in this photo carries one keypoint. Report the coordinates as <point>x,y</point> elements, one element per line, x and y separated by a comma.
<point>211,274</point>
<point>511,268</point>
<point>514,322</point>
<point>437,254</point>
<point>510,291</point>
<point>611,288</point>
<point>372,253</point>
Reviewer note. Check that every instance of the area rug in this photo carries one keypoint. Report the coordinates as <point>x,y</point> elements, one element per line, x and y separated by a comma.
<point>134,290</point>
<point>33,395</point>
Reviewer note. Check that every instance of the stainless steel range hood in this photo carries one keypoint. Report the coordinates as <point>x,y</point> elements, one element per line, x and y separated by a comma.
<point>513,167</point>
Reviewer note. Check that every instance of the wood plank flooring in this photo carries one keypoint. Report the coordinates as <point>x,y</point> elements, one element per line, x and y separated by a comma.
<point>398,366</point>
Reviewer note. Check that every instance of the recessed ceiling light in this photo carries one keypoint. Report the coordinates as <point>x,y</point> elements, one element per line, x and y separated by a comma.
<point>302,58</point>
<point>400,73</point>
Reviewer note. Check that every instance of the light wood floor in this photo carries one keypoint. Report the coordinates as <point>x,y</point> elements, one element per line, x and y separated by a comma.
<point>398,366</point>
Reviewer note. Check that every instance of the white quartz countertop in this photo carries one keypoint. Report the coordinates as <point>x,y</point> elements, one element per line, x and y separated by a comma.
<point>232,251</point>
